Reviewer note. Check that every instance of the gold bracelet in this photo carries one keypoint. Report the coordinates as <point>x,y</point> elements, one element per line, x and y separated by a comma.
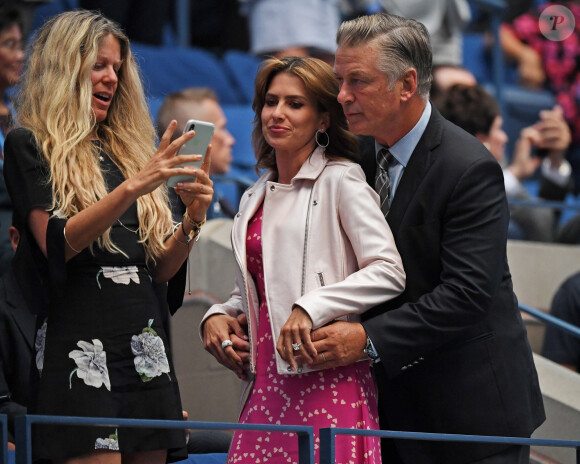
<point>196,226</point>
<point>192,223</point>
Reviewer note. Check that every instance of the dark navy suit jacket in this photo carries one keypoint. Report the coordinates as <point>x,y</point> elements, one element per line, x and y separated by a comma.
<point>455,355</point>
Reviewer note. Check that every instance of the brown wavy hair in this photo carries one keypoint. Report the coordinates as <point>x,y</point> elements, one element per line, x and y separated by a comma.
<point>322,86</point>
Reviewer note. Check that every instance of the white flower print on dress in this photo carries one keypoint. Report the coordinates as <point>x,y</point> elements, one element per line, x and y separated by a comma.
<point>57,213</point>
<point>39,346</point>
<point>119,274</point>
<point>150,357</point>
<point>92,364</point>
<point>109,443</point>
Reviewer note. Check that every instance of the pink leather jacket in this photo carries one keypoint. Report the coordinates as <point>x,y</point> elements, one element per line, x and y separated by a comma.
<point>326,247</point>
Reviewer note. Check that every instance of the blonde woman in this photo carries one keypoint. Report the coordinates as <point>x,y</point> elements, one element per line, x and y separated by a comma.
<point>84,175</point>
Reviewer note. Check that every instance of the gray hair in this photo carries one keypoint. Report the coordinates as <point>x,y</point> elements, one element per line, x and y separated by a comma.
<point>402,44</point>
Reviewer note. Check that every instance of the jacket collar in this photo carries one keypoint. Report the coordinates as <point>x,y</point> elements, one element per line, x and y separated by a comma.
<point>311,169</point>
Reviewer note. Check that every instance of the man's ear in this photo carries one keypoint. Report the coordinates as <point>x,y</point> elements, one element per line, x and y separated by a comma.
<point>409,81</point>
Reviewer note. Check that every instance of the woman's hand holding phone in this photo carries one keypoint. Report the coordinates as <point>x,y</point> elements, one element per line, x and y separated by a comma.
<point>163,164</point>
<point>196,194</point>
<point>197,145</point>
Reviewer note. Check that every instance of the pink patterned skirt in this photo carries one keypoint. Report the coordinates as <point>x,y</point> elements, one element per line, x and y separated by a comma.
<point>340,397</point>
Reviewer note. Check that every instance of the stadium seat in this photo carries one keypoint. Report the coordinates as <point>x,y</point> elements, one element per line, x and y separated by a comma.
<point>154,103</point>
<point>169,69</point>
<point>242,67</point>
<point>240,125</point>
<point>475,57</point>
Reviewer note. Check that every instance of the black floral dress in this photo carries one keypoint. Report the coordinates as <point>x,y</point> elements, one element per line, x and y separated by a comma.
<point>102,348</point>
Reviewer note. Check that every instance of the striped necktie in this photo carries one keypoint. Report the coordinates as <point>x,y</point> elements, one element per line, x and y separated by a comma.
<point>382,179</point>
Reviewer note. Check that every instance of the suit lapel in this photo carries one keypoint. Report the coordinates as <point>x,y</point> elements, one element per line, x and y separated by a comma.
<point>368,159</point>
<point>419,163</point>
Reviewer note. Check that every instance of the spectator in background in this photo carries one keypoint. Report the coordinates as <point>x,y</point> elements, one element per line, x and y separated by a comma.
<point>282,28</point>
<point>11,59</point>
<point>549,64</point>
<point>17,325</point>
<point>444,19</point>
<point>445,77</point>
<point>142,20</point>
<point>473,109</point>
<point>560,346</point>
<point>26,9</point>
<point>218,26</point>
<point>201,103</point>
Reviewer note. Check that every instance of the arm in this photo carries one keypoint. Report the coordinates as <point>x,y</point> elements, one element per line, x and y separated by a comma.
<point>196,197</point>
<point>380,276</point>
<point>529,62</point>
<point>227,322</point>
<point>86,226</point>
<point>523,164</point>
<point>550,134</point>
<point>465,269</point>
<point>463,274</point>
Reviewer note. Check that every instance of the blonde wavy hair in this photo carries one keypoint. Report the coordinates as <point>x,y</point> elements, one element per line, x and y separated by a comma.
<point>55,104</point>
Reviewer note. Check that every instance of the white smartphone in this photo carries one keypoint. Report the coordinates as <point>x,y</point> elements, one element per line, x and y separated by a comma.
<point>195,146</point>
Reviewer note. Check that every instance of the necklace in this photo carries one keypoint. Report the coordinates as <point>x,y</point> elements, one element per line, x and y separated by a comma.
<point>134,231</point>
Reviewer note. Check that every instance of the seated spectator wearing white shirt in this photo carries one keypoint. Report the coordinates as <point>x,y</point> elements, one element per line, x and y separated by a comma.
<point>540,147</point>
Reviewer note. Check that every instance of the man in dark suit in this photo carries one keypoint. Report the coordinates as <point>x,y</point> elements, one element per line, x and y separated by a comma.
<point>17,326</point>
<point>451,353</point>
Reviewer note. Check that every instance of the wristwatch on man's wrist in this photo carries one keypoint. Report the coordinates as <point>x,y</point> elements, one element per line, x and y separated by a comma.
<point>370,351</point>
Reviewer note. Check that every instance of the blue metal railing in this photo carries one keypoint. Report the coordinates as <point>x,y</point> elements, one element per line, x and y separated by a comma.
<point>552,320</point>
<point>23,431</point>
<point>305,435</point>
<point>328,435</point>
<point>4,441</point>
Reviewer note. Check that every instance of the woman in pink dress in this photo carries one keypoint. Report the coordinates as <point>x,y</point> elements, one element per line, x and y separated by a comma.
<point>311,247</point>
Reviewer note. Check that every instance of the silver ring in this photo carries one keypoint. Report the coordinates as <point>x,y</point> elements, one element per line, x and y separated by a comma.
<point>323,357</point>
<point>226,343</point>
<point>296,346</point>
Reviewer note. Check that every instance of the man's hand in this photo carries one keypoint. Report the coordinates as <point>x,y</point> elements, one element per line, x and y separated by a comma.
<point>523,163</point>
<point>555,135</point>
<point>338,344</point>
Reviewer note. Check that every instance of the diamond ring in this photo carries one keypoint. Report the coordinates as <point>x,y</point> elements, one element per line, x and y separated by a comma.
<point>226,343</point>
<point>296,346</point>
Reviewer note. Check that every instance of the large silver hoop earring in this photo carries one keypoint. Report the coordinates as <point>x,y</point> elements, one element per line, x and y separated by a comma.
<point>318,141</point>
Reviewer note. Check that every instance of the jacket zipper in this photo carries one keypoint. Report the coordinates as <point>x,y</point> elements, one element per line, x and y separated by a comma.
<point>304,253</point>
<point>246,297</point>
